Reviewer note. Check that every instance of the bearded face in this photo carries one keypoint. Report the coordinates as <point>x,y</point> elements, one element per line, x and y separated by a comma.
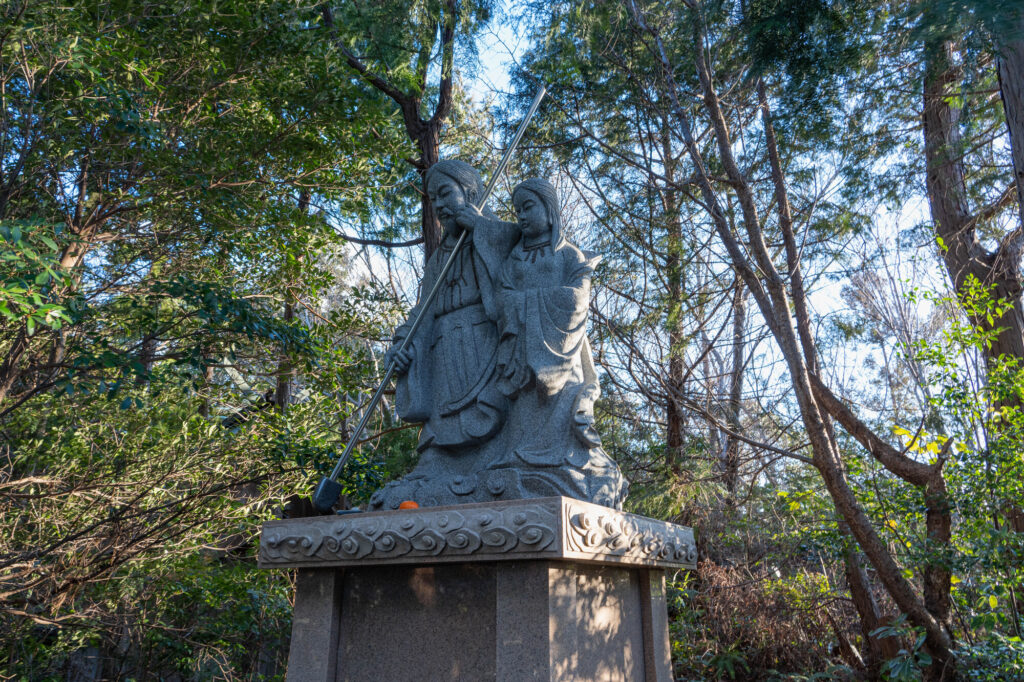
<point>447,197</point>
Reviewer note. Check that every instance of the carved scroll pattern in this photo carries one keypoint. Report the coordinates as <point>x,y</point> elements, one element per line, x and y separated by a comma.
<point>594,530</point>
<point>424,534</point>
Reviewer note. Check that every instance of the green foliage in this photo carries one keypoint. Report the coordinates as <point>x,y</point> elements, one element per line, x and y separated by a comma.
<point>30,272</point>
<point>813,42</point>
<point>115,506</point>
<point>728,664</point>
<point>909,661</point>
<point>986,420</point>
<point>164,261</point>
<point>196,615</point>
<point>950,18</point>
<point>996,657</point>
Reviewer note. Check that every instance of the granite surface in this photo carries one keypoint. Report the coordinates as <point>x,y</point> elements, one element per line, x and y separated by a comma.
<point>481,622</point>
<point>558,528</point>
<point>494,360</point>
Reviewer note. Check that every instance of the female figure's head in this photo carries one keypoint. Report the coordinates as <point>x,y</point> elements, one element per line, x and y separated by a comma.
<point>536,204</point>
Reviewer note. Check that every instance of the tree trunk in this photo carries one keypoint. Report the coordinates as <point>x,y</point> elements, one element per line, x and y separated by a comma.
<point>939,531</point>
<point>285,371</point>
<point>731,463</point>
<point>9,371</point>
<point>876,650</point>
<point>768,289</point>
<point>1011,88</point>
<point>424,132</point>
<point>965,258</point>
<point>204,406</point>
<point>796,344</point>
<point>675,418</point>
<point>429,143</point>
<point>147,356</point>
<point>148,348</point>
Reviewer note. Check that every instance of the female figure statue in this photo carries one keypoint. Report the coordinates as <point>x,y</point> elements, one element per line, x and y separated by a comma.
<point>544,361</point>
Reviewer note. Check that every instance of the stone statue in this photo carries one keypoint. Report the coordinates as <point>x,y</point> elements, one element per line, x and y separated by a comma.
<point>447,379</point>
<point>500,374</point>
<point>544,360</point>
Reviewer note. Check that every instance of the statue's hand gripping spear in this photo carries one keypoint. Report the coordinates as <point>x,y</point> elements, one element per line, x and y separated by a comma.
<point>329,489</point>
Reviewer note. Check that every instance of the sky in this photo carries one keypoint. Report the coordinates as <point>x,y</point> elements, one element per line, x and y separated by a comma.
<point>498,48</point>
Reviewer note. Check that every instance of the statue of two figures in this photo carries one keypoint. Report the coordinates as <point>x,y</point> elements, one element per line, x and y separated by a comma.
<point>500,372</point>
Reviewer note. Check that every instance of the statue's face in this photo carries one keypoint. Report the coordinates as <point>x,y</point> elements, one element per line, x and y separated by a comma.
<point>447,197</point>
<point>532,215</point>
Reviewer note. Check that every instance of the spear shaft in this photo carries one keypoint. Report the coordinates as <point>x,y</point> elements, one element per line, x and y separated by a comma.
<point>329,489</point>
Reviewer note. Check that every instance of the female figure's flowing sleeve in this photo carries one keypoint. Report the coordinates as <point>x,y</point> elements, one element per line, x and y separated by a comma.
<point>544,327</point>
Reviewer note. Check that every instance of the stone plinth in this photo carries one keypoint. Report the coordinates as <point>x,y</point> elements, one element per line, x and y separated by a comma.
<point>536,589</point>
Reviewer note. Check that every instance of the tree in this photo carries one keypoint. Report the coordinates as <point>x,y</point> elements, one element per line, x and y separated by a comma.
<point>157,165</point>
<point>946,153</point>
<point>397,59</point>
<point>751,216</point>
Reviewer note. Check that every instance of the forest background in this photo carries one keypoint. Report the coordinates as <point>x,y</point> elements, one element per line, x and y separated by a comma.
<point>808,320</point>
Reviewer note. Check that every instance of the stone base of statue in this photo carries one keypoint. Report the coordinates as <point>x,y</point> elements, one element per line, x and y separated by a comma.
<point>535,589</point>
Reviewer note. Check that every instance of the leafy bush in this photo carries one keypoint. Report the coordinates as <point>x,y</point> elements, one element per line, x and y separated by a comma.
<point>995,658</point>
<point>728,624</point>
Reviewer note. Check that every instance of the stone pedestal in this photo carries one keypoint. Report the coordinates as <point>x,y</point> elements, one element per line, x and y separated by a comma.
<point>538,589</point>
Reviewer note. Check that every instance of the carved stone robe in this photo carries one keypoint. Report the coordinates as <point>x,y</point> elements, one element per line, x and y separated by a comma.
<point>545,366</point>
<point>450,385</point>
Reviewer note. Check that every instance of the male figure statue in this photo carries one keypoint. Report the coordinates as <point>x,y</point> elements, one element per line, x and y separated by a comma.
<point>447,376</point>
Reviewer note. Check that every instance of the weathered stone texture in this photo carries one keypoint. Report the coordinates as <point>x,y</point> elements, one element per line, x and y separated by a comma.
<point>543,589</point>
<point>552,528</point>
